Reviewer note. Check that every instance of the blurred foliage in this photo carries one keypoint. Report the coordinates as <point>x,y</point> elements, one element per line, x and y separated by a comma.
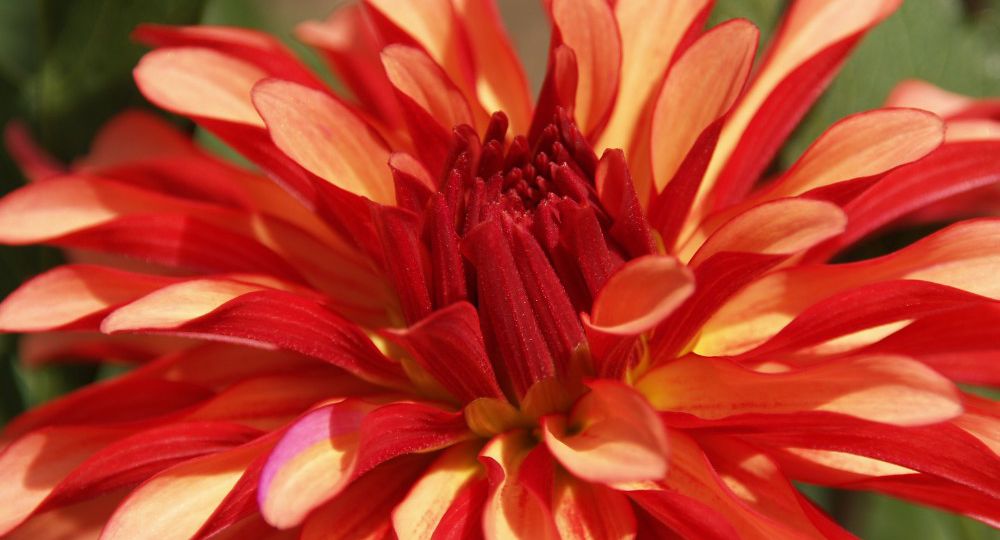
<point>65,68</point>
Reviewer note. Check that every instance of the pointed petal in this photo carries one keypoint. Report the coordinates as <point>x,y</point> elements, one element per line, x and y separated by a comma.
<point>652,36</point>
<point>432,104</point>
<point>842,315</point>
<point>34,464</point>
<point>952,169</point>
<point>959,256</point>
<point>589,29</point>
<point>201,82</point>
<point>715,68</point>
<point>501,84</point>
<point>137,457</point>
<point>351,46</point>
<point>888,389</point>
<point>72,296</point>
<point>258,48</point>
<point>325,137</point>
<point>861,145</point>
<point>815,38</point>
<point>256,315</point>
<point>612,435</point>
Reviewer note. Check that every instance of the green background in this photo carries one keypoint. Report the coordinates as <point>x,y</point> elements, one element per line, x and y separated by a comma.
<point>65,68</point>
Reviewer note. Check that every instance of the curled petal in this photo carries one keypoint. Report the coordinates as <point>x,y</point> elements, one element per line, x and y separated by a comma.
<point>640,295</point>
<point>612,435</point>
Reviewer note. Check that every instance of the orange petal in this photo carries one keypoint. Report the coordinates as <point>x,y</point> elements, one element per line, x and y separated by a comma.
<point>69,294</point>
<point>948,105</point>
<point>200,82</point>
<point>640,295</point>
<point>418,515</point>
<point>888,389</point>
<point>326,138</point>
<point>32,465</point>
<point>81,520</point>
<point>416,75</point>
<point>588,27</point>
<point>862,145</point>
<point>810,28</point>
<point>651,33</point>
<point>175,305</point>
<point>434,26</point>
<point>591,511</point>
<point>513,510</point>
<point>612,435</point>
<point>715,69</point>
<point>179,500</point>
<point>963,256</point>
<point>782,227</point>
<point>501,84</point>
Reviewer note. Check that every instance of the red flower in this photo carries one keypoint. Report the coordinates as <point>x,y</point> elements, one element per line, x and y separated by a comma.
<point>465,323</point>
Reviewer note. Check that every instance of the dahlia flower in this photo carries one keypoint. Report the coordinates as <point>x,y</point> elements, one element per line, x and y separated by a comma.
<point>443,309</point>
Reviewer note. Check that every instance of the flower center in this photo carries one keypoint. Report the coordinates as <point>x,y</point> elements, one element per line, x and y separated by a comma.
<point>520,179</point>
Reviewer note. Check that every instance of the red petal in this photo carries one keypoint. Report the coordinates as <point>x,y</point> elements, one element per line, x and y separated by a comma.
<point>445,484</point>
<point>614,186</point>
<point>952,169</point>
<point>347,518</point>
<point>505,307</point>
<point>863,308</point>
<point>351,46</point>
<point>252,314</point>
<point>135,458</point>
<point>432,104</point>
<point>449,345</point>
<point>176,502</point>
